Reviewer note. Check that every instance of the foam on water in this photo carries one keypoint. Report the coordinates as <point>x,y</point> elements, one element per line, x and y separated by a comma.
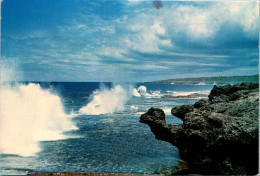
<point>153,94</point>
<point>179,93</point>
<point>107,101</point>
<point>29,114</point>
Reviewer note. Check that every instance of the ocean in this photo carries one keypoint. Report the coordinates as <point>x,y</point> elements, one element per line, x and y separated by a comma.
<point>77,127</point>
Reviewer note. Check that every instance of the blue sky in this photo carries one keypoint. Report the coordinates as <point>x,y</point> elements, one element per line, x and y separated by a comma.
<point>128,40</point>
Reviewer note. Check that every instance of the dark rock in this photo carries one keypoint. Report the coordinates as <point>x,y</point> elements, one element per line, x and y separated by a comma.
<point>155,118</point>
<point>219,135</point>
<point>229,90</point>
<point>201,103</point>
<point>83,173</point>
<point>219,99</point>
<point>181,111</point>
<point>154,115</point>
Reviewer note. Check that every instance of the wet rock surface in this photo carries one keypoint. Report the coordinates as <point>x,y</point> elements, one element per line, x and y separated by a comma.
<point>219,135</point>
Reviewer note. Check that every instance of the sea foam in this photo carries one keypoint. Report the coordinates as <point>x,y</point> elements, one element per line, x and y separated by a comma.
<point>29,114</point>
<point>179,93</point>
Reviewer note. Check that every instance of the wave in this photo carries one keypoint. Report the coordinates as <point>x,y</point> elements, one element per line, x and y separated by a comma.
<point>167,111</point>
<point>29,114</point>
<point>200,83</point>
<point>136,93</point>
<point>107,101</point>
<point>153,94</point>
<point>133,108</point>
<point>178,93</point>
<point>141,91</point>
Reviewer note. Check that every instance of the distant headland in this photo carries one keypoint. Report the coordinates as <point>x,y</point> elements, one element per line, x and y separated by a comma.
<point>210,80</point>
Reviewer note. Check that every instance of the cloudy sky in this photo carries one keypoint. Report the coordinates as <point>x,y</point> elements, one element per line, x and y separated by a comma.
<point>128,40</point>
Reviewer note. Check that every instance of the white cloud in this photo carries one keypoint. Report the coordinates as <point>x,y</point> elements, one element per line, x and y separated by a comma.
<point>158,28</point>
<point>189,63</point>
<point>197,23</point>
<point>147,67</point>
<point>146,31</point>
<point>110,52</point>
<point>246,14</point>
<point>150,67</point>
<point>154,31</point>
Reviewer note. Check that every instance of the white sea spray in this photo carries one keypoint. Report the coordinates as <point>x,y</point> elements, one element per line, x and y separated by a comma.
<point>28,115</point>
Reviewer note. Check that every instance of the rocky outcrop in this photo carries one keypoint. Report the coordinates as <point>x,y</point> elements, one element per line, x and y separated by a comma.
<point>219,135</point>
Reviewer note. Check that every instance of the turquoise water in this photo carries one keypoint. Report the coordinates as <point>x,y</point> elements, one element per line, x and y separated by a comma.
<point>106,138</point>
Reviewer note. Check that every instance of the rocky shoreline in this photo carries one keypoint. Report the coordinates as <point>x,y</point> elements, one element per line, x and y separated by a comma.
<point>219,135</point>
<point>88,173</point>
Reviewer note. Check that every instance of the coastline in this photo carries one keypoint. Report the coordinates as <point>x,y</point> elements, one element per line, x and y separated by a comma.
<point>219,135</point>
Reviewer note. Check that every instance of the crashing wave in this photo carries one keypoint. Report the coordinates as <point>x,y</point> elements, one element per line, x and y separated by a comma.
<point>29,114</point>
<point>106,101</point>
<point>141,91</point>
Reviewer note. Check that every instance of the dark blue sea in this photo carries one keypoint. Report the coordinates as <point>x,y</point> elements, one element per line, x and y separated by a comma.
<point>73,126</point>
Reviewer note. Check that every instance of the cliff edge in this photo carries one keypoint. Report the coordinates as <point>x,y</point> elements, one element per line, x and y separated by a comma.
<point>219,135</point>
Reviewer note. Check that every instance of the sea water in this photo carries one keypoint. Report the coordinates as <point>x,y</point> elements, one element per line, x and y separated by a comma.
<point>77,127</point>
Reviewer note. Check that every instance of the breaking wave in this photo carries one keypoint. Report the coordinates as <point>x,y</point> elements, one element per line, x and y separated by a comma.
<point>29,114</point>
<point>141,91</point>
<point>107,101</point>
<point>200,84</point>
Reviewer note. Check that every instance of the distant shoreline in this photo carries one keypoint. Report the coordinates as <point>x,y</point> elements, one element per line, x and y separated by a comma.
<point>195,80</point>
<point>210,80</point>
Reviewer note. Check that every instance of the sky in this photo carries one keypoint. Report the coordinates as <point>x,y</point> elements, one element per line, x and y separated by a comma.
<point>127,40</point>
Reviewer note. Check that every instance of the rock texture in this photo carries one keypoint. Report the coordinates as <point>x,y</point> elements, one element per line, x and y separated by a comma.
<point>219,135</point>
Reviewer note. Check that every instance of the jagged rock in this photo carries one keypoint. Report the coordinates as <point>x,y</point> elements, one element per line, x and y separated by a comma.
<point>155,118</point>
<point>182,110</point>
<point>229,90</point>
<point>219,135</point>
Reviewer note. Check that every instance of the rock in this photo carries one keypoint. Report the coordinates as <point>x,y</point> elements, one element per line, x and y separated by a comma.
<point>219,135</point>
<point>155,118</point>
<point>229,90</point>
<point>83,173</point>
<point>181,111</point>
